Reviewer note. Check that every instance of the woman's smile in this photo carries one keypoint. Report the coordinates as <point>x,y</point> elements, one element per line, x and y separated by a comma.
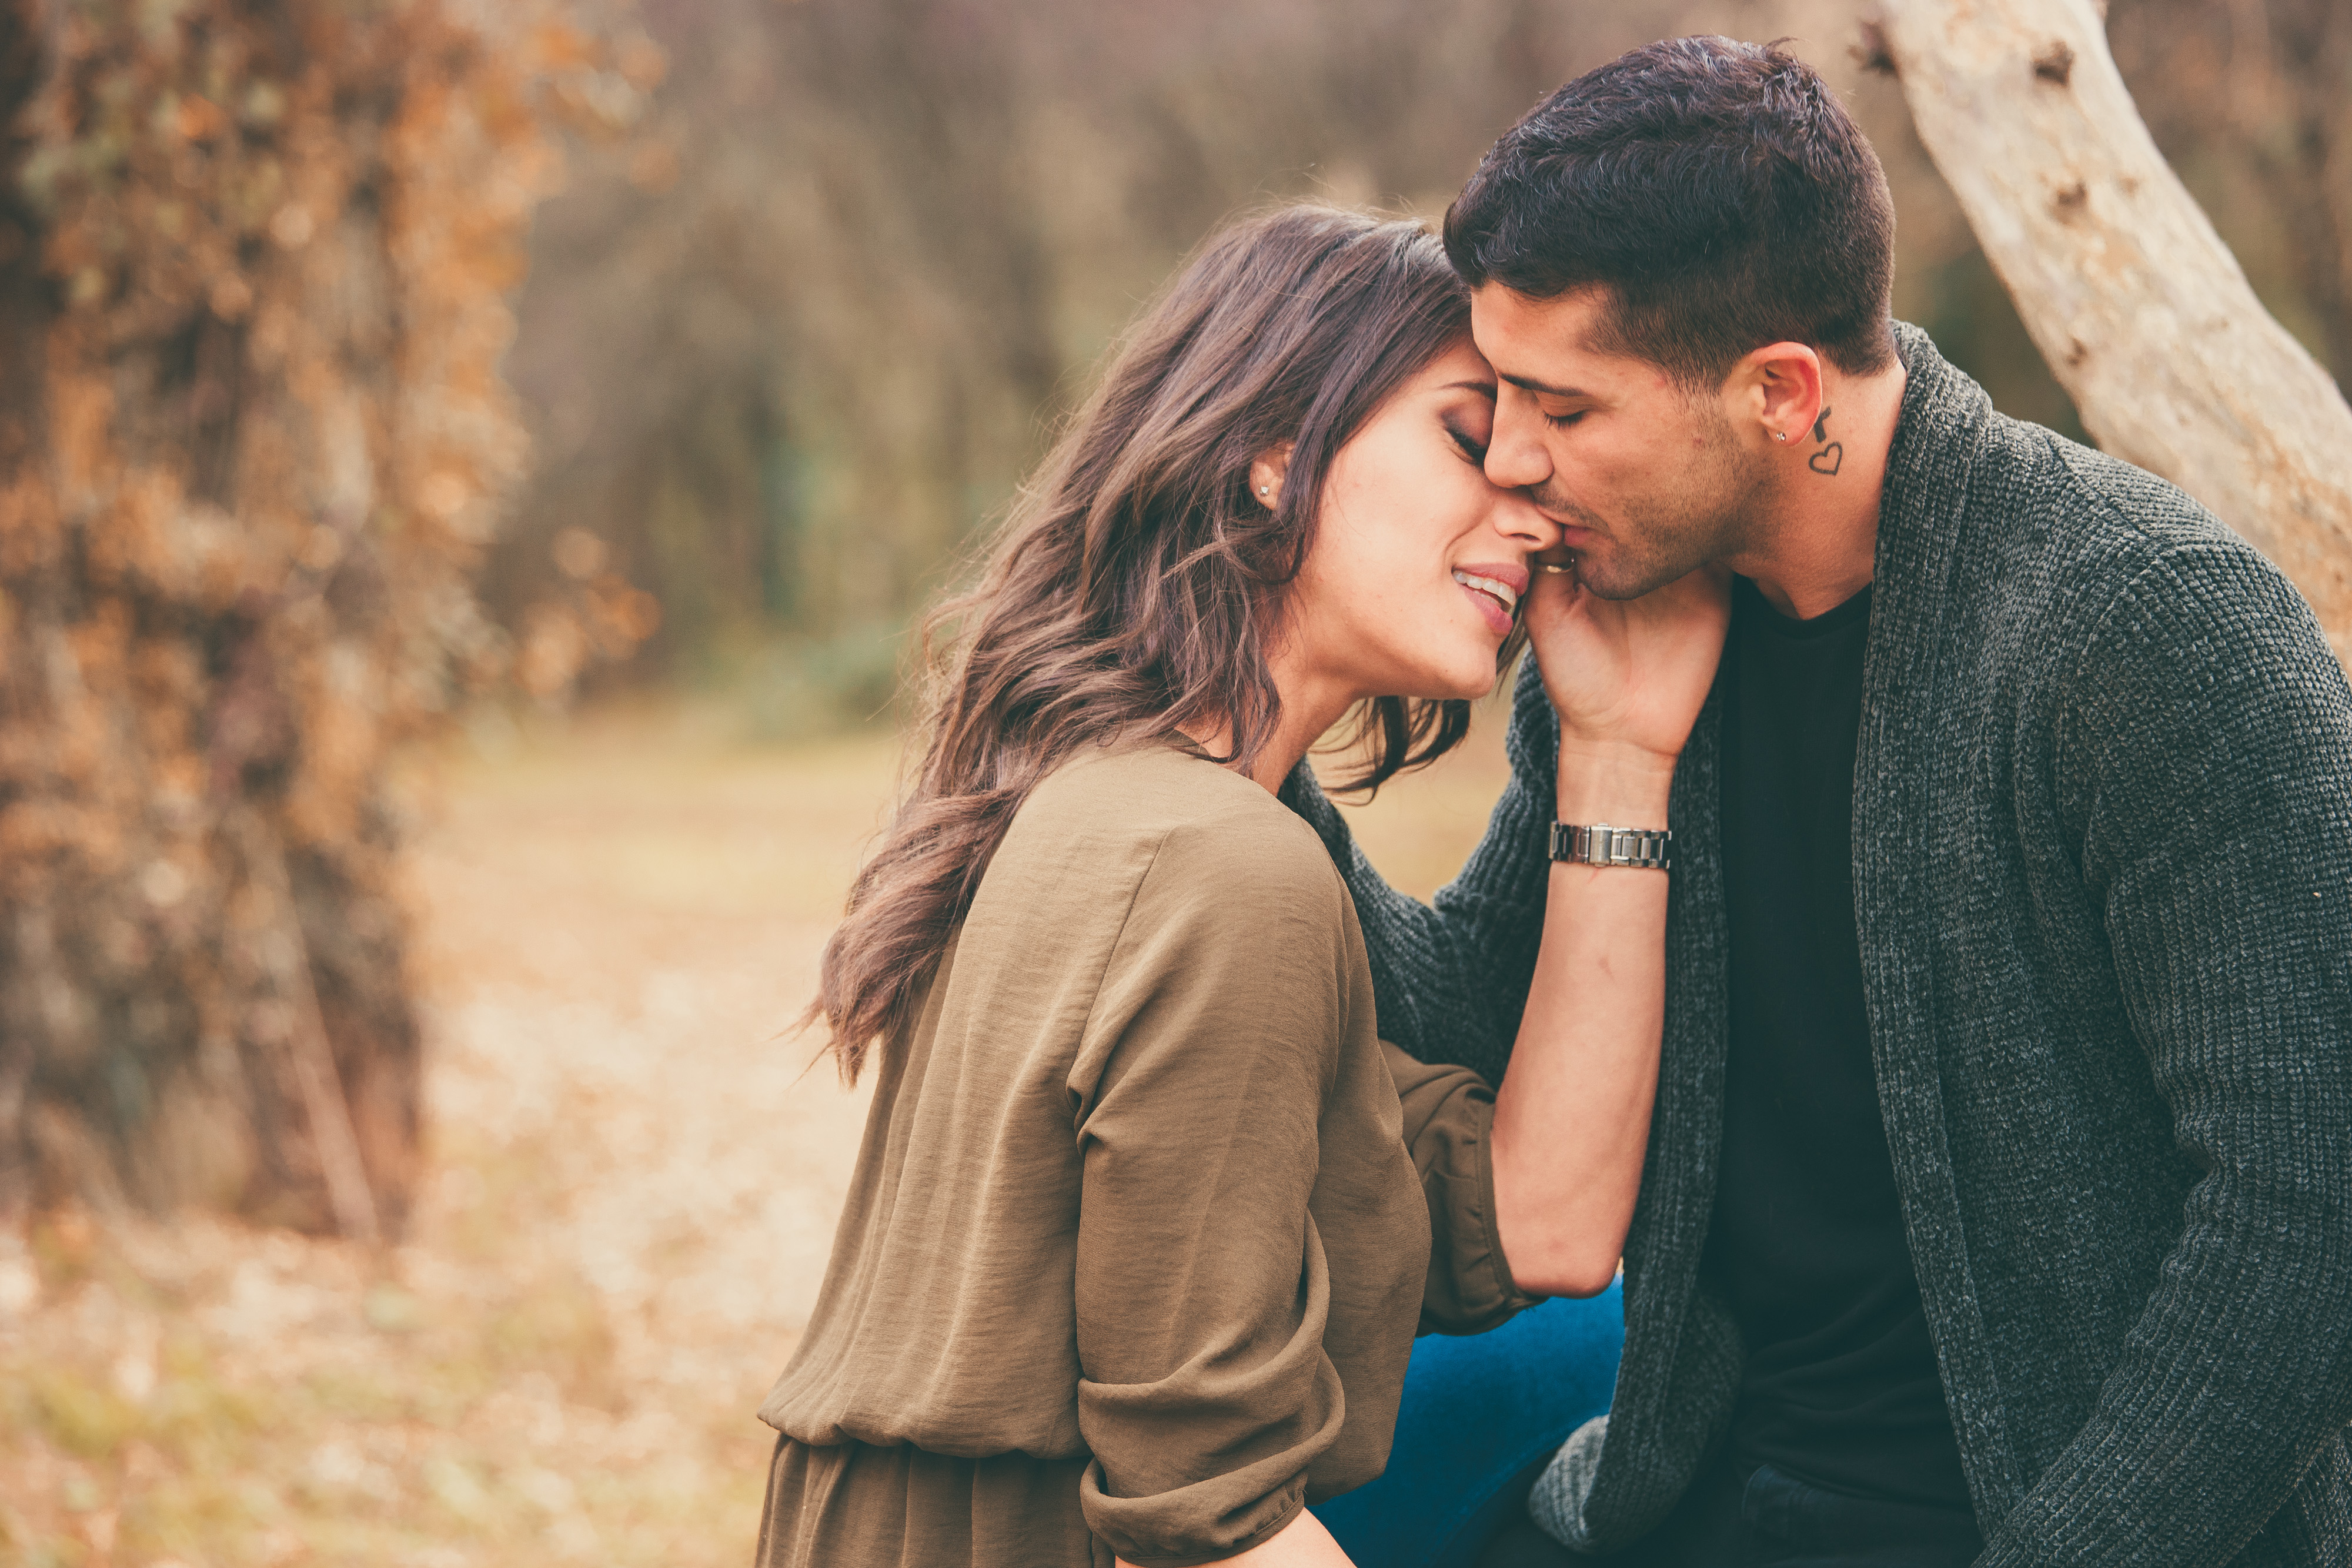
<point>1495,588</point>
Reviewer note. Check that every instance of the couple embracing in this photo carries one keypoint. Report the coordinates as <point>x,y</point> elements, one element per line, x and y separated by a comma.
<point>1915,941</point>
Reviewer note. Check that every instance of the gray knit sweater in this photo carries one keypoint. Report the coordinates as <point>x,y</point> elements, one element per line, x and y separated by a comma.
<point>2102,884</point>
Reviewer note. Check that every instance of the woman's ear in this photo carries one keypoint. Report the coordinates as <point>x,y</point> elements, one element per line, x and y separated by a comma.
<point>1266,476</point>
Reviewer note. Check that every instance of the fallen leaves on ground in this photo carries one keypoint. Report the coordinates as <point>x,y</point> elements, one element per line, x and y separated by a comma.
<point>634,1175</point>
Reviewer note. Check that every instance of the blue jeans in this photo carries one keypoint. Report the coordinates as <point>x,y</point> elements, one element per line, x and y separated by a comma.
<point>1481,1417</point>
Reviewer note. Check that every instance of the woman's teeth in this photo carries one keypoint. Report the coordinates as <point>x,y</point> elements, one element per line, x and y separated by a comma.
<point>1501,590</point>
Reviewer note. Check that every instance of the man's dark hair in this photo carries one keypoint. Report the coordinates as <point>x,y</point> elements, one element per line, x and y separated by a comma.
<point>1719,193</point>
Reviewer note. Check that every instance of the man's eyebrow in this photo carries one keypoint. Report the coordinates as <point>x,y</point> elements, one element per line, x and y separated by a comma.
<point>1529,383</point>
<point>1484,388</point>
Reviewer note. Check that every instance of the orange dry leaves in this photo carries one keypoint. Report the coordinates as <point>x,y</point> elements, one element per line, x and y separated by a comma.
<point>254,268</point>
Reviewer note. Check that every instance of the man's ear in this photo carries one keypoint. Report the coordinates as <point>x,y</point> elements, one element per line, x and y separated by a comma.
<point>1778,386</point>
<point>1267,473</point>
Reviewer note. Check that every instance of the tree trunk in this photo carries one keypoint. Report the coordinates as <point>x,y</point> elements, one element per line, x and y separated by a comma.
<point>2138,306</point>
<point>253,260</point>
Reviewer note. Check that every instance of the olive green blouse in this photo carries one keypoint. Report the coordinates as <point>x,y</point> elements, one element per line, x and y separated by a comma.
<point>1141,1182</point>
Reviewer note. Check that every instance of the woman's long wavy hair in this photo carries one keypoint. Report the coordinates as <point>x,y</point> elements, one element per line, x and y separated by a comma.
<point>1137,586</point>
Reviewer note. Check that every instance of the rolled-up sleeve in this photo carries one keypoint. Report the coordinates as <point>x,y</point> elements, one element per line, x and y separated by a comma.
<point>1201,1285</point>
<point>1449,1118</point>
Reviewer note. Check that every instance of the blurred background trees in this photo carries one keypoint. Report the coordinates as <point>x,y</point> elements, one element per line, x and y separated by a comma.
<point>811,282</point>
<point>791,341</point>
<point>255,264</point>
<point>2142,311</point>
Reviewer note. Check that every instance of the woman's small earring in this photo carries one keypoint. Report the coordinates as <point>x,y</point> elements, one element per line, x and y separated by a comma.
<point>1269,489</point>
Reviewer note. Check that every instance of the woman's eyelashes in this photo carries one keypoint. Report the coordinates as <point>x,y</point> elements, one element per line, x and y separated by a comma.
<point>1469,445</point>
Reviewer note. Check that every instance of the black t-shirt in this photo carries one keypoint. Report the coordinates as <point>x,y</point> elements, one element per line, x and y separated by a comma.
<point>1807,1241</point>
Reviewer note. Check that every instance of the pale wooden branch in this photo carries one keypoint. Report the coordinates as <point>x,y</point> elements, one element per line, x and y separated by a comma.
<point>287,962</point>
<point>2142,312</point>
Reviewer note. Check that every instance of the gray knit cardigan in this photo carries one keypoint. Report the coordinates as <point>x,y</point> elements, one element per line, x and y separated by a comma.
<point>2102,884</point>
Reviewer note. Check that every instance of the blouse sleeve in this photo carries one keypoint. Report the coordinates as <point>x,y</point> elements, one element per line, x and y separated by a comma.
<point>1201,1291</point>
<point>1449,1117</point>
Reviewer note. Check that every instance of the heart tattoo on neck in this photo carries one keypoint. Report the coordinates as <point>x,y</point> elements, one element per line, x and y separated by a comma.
<point>1830,458</point>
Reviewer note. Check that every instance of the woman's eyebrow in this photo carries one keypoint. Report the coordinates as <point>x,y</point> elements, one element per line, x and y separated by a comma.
<point>1484,388</point>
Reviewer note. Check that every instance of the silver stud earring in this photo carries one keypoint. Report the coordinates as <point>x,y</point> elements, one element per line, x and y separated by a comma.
<point>1266,489</point>
<point>1780,436</point>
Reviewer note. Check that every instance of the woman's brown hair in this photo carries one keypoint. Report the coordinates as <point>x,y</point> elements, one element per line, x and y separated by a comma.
<point>1138,584</point>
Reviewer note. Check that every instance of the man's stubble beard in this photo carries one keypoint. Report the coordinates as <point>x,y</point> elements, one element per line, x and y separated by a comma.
<point>1664,536</point>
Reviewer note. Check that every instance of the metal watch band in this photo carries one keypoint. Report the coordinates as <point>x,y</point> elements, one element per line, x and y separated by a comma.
<point>1645,849</point>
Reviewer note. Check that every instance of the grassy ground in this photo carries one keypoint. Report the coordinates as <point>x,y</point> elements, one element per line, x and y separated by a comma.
<point>634,1181</point>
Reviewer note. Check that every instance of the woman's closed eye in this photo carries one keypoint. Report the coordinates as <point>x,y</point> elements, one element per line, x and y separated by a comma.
<point>1470,446</point>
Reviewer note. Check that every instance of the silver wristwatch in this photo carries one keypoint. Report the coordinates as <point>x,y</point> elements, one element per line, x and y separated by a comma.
<point>1600,844</point>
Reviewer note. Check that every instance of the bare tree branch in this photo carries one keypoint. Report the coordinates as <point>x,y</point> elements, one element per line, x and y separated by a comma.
<point>2143,313</point>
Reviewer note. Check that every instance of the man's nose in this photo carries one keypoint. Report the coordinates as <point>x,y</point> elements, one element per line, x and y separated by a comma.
<point>1516,459</point>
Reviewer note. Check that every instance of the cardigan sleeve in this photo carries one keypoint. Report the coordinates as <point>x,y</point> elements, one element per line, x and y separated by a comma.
<point>1201,1285</point>
<point>1451,976</point>
<point>2208,753</point>
<point>1449,1118</point>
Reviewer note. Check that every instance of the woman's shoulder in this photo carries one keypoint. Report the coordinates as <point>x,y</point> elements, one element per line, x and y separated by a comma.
<point>1187,817</point>
<point>1127,867</point>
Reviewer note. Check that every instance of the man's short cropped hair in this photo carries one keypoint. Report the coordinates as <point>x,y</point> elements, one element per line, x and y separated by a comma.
<point>1717,192</point>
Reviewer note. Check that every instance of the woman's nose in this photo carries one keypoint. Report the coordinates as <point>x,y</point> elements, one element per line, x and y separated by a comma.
<point>1516,519</point>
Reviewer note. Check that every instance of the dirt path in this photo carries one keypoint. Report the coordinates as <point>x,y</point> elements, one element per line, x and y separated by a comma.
<point>633,1191</point>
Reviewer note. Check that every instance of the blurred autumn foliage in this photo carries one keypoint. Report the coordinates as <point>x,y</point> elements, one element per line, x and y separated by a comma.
<point>792,336</point>
<point>256,258</point>
<point>370,359</point>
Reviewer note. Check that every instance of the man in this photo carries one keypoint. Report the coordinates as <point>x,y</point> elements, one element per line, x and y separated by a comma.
<point>1999,1200</point>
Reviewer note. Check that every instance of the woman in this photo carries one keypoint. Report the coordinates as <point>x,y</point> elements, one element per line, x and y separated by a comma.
<point>1146,1216</point>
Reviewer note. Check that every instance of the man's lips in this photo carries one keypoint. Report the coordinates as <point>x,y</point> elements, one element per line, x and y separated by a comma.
<point>1573,521</point>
